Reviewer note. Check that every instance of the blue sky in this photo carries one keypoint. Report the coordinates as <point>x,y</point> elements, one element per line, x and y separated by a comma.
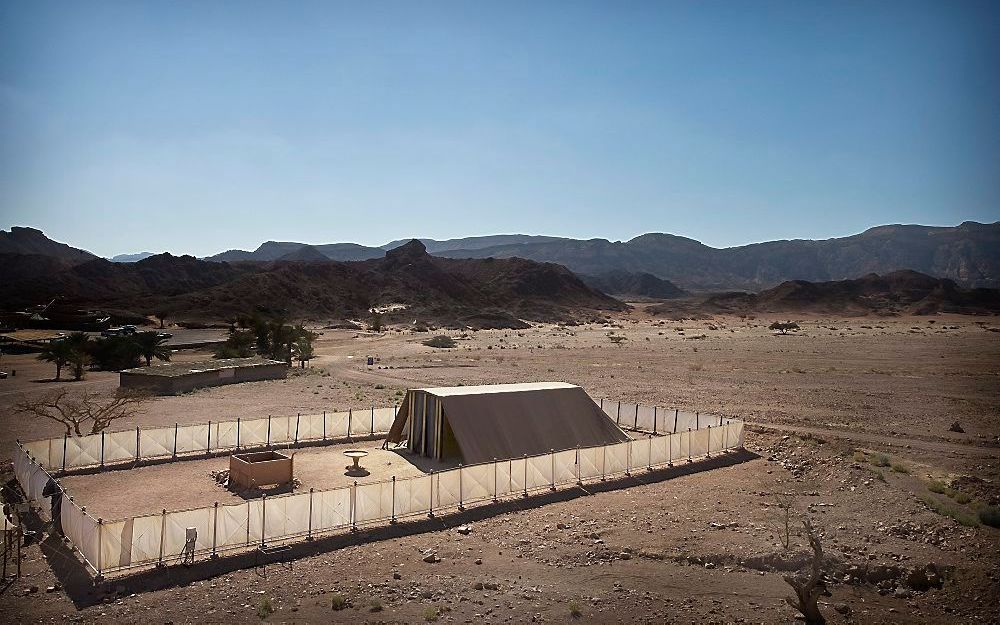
<point>195,127</point>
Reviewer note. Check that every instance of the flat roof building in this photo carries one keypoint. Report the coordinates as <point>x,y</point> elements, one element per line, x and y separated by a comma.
<point>180,377</point>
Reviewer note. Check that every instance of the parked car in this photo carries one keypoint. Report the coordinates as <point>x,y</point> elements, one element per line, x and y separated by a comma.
<point>164,335</point>
<point>128,330</point>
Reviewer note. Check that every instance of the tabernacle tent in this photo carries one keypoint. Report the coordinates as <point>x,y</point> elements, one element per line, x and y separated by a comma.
<point>501,421</point>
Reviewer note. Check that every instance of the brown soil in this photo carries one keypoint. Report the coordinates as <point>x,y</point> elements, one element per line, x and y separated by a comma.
<point>678,547</point>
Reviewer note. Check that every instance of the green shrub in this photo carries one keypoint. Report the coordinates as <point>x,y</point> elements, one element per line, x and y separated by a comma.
<point>375,606</point>
<point>431,614</point>
<point>959,516</point>
<point>338,602</point>
<point>898,467</point>
<point>859,457</point>
<point>990,515</point>
<point>961,498</point>
<point>574,609</point>
<point>264,608</point>
<point>880,460</point>
<point>937,487</point>
<point>440,341</point>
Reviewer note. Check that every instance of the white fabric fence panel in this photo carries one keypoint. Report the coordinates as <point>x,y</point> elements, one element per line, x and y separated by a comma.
<point>477,482</point>
<point>144,541</point>
<point>565,467</point>
<point>286,516</point>
<point>253,432</point>
<point>331,509</point>
<point>699,443</point>
<point>384,418</point>
<point>175,531</point>
<point>83,451</point>
<point>156,442</point>
<point>311,427</point>
<point>505,481</point>
<point>361,422</point>
<point>336,424</point>
<point>282,430</point>
<point>539,472</point>
<point>224,435</point>
<point>616,458</point>
<point>41,451</point>
<point>232,526</point>
<point>649,417</point>
<point>113,553</point>
<point>413,496</point>
<point>716,440</point>
<point>192,438</point>
<point>639,454</point>
<point>659,450</point>
<point>373,502</point>
<point>447,489</point>
<point>120,446</point>
<point>591,461</point>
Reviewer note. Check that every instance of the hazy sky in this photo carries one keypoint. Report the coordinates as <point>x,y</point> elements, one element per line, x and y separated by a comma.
<point>200,126</point>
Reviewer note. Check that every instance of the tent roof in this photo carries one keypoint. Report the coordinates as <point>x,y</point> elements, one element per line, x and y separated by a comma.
<point>451,391</point>
<point>512,420</point>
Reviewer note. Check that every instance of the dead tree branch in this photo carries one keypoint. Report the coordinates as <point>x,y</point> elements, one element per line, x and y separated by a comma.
<point>83,412</point>
<point>808,590</point>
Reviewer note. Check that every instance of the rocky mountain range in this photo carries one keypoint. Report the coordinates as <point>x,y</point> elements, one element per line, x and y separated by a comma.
<point>969,254</point>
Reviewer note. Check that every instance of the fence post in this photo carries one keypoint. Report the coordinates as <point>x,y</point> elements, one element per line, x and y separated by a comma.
<point>525,483</point>
<point>163,533</point>
<point>579,482</point>
<point>636,425</point>
<point>297,417</point>
<point>324,425</point>
<point>430,512</point>
<point>552,469</point>
<point>373,419</point>
<point>354,506</point>
<point>208,448</point>
<point>654,419</point>
<point>100,535</point>
<point>237,433</point>
<point>248,522</point>
<point>460,506</point>
<point>263,518</point>
<point>138,442</point>
<point>618,415</point>
<point>697,420</point>
<point>725,438</point>
<point>628,459</point>
<point>269,430</point>
<point>66,437</point>
<point>494,480</point>
<point>649,456</point>
<point>215,527</point>
<point>676,412</point>
<point>392,516</point>
<point>175,440</point>
<point>350,418</point>
<point>604,454</point>
<point>708,452</point>
<point>102,454</point>
<point>689,444</point>
<point>309,531</point>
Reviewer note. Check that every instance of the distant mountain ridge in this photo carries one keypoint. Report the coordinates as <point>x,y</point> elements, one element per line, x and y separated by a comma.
<point>455,292</point>
<point>22,240</point>
<point>131,258</point>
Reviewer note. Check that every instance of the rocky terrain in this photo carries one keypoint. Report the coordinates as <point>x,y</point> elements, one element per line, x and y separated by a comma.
<point>852,428</point>
<point>414,285</point>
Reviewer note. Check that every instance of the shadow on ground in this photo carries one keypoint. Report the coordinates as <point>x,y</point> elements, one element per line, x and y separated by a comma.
<point>85,591</point>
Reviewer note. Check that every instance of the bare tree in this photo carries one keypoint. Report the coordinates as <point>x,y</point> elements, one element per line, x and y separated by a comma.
<point>781,521</point>
<point>86,411</point>
<point>809,589</point>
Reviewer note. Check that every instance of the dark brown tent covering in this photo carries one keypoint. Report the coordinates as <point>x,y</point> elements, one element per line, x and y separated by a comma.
<point>501,421</point>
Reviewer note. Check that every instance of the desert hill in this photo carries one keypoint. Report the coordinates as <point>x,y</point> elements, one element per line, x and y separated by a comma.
<point>490,292</point>
<point>899,292</point>
<point>640,284</point>
<point>32,241</point>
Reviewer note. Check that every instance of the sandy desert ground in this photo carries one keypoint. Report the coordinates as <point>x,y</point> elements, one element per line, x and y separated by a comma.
<point>828,405</point>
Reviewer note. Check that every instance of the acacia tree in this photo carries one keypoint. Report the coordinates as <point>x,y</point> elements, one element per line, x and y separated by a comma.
<point>86,413</point>
<point>809,589</point>
<point>783,327</point>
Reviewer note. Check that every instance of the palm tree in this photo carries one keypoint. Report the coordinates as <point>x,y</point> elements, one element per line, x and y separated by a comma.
<point>151,345</point>
<point>58,352</point>
<point>81,344</point>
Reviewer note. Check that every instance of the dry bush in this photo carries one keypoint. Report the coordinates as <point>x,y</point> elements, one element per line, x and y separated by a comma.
<point>90,410</point>
<point>809,589</point>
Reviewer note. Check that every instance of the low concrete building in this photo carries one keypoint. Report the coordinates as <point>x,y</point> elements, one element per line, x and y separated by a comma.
<point>180,377</point>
